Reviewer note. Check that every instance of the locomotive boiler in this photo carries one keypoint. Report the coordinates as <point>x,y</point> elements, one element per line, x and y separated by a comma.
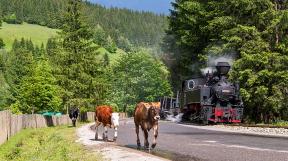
<point>211,98</point>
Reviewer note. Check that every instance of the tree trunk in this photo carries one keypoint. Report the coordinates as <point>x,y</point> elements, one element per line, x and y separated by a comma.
<point>277,7</point>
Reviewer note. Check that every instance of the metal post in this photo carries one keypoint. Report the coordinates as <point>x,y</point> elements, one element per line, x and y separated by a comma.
<point>177,100</point>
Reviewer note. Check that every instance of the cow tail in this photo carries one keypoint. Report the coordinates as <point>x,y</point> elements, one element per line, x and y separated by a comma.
<point>95,117</point>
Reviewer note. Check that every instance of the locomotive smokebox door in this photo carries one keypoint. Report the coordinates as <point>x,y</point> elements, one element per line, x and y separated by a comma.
<point>223,68</point>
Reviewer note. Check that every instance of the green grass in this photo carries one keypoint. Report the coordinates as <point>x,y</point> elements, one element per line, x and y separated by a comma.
<point>55,144</point>
<point>38,34</point>
<point>113,57</point>
<point>281,123</point>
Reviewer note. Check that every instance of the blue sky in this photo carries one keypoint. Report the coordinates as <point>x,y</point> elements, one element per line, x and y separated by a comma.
<point>156,6</point>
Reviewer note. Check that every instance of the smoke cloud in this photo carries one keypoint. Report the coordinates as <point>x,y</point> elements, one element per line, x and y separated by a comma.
<point>176,118</point>
<point>213,60</point>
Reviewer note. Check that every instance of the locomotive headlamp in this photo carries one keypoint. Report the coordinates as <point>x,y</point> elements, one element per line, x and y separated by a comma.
<point>226,91</point>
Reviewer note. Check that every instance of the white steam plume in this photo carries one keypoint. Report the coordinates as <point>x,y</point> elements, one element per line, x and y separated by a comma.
<point>213,60</point>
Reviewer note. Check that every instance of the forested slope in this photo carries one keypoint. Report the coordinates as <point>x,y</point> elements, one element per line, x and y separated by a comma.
<point>141,28</point>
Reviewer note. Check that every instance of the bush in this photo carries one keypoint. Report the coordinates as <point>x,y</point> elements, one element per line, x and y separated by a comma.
<point>12,19</point>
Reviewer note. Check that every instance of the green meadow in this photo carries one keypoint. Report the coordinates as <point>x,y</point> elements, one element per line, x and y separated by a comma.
<point>38,34</point>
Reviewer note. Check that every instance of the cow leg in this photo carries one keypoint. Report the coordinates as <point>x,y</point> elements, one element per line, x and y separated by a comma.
<point>105,133</point>
<point>115,133</point>
<point>74,122</point>
<point>155,132</point>
<point>96,133</point>
<point>137,133</point>
<point>146,143</point>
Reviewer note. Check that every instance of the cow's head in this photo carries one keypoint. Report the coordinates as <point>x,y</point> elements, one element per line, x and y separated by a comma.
<point>115,119</point>
<point>154,113</point>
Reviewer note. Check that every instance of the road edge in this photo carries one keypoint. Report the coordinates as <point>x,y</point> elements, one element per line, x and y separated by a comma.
<point>211,128</point>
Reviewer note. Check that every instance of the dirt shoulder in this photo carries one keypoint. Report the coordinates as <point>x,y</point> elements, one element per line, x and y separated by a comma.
<point>110,150</point>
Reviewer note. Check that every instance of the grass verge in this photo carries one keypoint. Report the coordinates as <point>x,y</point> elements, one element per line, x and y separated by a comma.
<point>53,144</point>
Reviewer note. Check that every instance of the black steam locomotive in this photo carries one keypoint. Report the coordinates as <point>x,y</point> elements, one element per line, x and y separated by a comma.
<point>211,98</point>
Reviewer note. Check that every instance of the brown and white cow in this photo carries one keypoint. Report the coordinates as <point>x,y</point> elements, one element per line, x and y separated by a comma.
<point>104,115</point>
<point>146,115</point>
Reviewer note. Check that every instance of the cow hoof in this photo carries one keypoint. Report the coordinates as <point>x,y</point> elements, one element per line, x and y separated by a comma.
<point>147,148</point>
<point>153,146</point>
<point>138,146</point>
<point>114,139</point>
<point>146,145</point>
<point>105,139</point>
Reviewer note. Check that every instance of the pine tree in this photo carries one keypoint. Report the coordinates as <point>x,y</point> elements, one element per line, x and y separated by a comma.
<point>106,60</point>
<point>1,40</point>
<point>78,65</point>
<point>20,63</point>
<point>2,45</point>
<point>51,46</point>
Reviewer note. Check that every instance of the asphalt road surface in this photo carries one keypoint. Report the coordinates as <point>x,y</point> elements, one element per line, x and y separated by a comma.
<point>184,143</point>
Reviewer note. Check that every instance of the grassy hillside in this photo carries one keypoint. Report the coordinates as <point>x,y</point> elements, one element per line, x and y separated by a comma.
<point>141,28</point>
<point>38,34</point>
<point>113,57</point>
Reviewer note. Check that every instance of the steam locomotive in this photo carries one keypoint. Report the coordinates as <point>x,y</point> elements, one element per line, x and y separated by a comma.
<point>211,98</point>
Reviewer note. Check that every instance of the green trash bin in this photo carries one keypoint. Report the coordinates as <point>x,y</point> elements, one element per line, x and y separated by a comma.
<point>52,114</point>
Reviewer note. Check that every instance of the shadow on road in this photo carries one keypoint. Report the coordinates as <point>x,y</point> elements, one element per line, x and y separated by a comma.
<point>70,126</point>
<point>166,154</point>
<point>109,140</point>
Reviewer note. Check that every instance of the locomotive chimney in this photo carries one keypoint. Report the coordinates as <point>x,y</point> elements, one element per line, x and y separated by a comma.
<point>223,68</point>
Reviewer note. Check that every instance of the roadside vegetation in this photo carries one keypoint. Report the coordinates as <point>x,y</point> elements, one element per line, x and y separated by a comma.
<point>54,143</point>
<point>281,123</point>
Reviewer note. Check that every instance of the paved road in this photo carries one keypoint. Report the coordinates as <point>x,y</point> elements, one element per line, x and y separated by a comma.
<point>184,143</point>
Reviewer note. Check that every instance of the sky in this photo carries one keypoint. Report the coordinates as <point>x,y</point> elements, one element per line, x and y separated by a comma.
<point>156,6</point>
